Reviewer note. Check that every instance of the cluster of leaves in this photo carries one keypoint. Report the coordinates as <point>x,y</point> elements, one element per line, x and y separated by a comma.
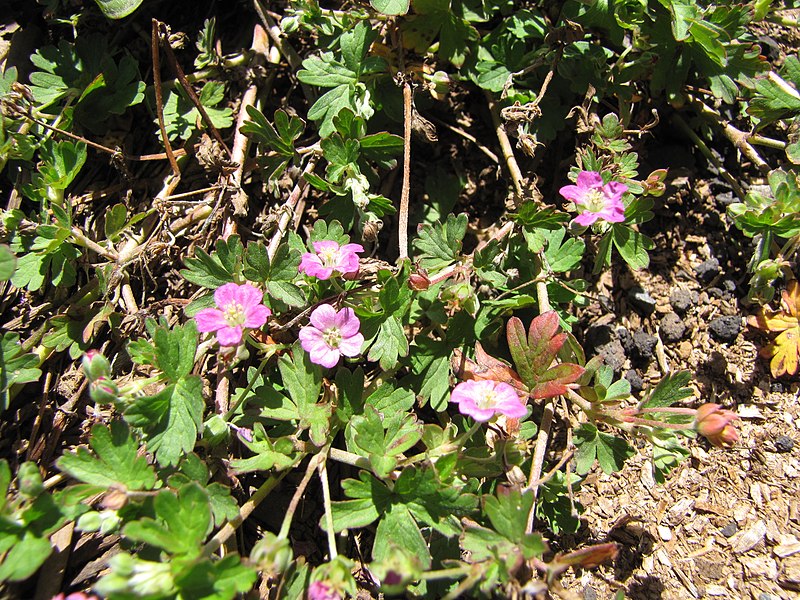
<point>434,491</point>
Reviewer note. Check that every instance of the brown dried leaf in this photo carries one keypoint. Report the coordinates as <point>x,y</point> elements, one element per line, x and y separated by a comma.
<point>784,349</point>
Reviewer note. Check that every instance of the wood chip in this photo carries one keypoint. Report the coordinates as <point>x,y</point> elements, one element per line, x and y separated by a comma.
<point>749,538</point>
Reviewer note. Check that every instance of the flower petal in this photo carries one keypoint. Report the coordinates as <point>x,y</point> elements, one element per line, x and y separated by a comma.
<point>210,319</point>
<point>586,218</point>
<point>351,345</point>
<point>323,317</point>
<point>226,295</point>
<point>248,295</point>
<point>589,179</point>
<point>230,336</point>
<point>255,316</point>
<point>572,192</point>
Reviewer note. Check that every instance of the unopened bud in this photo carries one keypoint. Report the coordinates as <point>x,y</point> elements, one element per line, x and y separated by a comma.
<point>29,480</point>
<point>419,281</point>
<point>714,423</point>
<point>95,365</point>
<point>272,554</point>
<point>104,391</point>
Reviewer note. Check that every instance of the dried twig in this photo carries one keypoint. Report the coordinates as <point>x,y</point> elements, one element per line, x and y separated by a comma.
<point>155,44</point>
<point>402,217</point>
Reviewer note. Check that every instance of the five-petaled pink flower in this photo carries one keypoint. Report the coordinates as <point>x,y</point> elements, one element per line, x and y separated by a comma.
<point>238,307</point>
<point>483,399</point>
<point>330,258</point>
<point>331,335</point>
<point>595,200</point>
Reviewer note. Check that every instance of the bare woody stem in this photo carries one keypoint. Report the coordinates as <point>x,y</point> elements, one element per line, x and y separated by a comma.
<point>402,218</point>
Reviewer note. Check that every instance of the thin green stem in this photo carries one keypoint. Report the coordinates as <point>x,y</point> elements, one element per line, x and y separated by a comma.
<point>451,573</point>
<point>348,458</point>
<point>246,391</point>
<point>298,493</point>
<point>245,511</point>
<point>326,502</point>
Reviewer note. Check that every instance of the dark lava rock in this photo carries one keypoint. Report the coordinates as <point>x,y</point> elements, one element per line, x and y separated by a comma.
<point>589,593</point>
<point>707,270</point>
<point>682,300</point>
<point>606,303</point>
<point>626,339</point>
<point>636,381</point>
<point>671,328</point>
<point>642,302</point>
<point>602,340</point>
<point>643,345</point>
<point>726,198</point>
<point>715,292</point>
<point>783,443</point>
<point>729,285</point>
<point>725,329</point>
<point>776,386</point>
<point>729,529</point>
<point>613,355</point>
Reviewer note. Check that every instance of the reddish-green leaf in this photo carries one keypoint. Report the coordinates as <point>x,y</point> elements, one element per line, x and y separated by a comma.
<point>535,353</point>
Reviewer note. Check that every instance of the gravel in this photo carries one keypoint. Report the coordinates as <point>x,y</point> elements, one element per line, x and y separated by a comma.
<point>682,300</point>
<point>725,329</point>
<point>643,345</point>
<point>641,301</point>
<point>671,328</point>
<point>729,529</point>
<point>783,443</point>
<point>636,381</point>
<point>707,270</point>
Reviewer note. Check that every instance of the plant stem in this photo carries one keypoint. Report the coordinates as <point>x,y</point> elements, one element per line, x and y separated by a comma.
<point>247,508</point>
<point>232,410</point>
<point>326,502</point>
<point>348,458</point>
<point>298,493</point>
<point>505,147</point>
<point>402,217</point>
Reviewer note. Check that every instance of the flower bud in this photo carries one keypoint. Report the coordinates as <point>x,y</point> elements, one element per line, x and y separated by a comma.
<point>95,365</point>
<point>419,281</point>
<point>104,391</point>
<point>714,423</point>
<point>29,480</point>
<point>272,555</point>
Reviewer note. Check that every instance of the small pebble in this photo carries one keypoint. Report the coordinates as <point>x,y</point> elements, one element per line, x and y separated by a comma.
<point>671,328</point>
<point>707,270</point>
<point>783,443</point>
<point>776,386</point>
<point>589,593</point>
<point>625,338</point>
<point>729,529</point>
<point>664,533</point>
<point>641,301</point>
<point>726,198</point>
<point>644,345</point>
<point>636,381</point>
<point>682,300</point>
<point>725,329</point>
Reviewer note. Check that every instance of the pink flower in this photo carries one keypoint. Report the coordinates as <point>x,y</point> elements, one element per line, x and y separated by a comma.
<point>483,399</point>
<point>714,423</point>
<point>597,201</point>
<point>330,257</point>
<point>331,335</point>
<point>322,591</point>
<point>238,307</point>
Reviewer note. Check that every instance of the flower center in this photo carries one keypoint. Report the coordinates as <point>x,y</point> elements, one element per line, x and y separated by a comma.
<point>329,257</point>
<point>234,314</point>
<point>332,337</point>
<point>594,201</point>
<point>488,400</point>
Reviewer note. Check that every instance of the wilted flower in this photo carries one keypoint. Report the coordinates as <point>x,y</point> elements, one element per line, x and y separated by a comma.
<point>330,258</point>
<point>322,591</point>
<point>714,422</point>
<point>331,335</point>
<point>483,399</point>
<point>238,307</point>
<point>595,200</point>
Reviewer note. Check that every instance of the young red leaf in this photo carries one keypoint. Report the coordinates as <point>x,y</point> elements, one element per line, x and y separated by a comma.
<point>534,355</point>
<point>485,367</point>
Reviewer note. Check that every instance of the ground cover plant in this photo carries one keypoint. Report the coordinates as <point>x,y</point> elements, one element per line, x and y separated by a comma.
<point>316,301</point>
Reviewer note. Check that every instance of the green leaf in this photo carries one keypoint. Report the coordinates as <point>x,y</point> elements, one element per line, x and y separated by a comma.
<point>384,447</point>
<point>182,521</point>
<point>15,367</point>
<point>116,463</point>
<point>8,263</point>
<point>391,7</point>
<point>398,528</point>
<point>671,389</point>
<point>632,246</point>
<point>25,557</point>
<point>610,451</point>
<point>171,419</point>
<point>279,454</point>
<point>175,349</point>
<point>508,512</point>
<point>390,343</point>
<point>440,245</point>
<point>563,256</point>
<point>118,9</point>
